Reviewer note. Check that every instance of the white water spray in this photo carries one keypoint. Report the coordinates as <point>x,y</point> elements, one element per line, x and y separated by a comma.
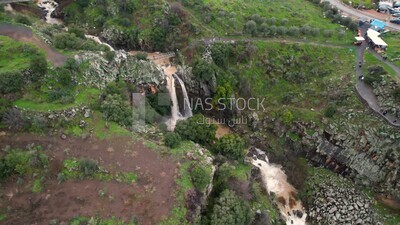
<point>49,6</point>
<point>187,110</point>
<point>275,181</point>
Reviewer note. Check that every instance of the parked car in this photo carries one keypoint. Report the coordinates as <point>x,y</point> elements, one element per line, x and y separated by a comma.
<point>393,11</point>
<point>396,4</point>
<point>396,21</point>
<point>396,15</point>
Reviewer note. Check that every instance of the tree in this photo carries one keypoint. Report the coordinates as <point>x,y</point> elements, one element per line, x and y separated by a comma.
<point>272,30</point>
<point>38,66</point>
<point>293,31</point>
<point>328,33</point>
<point>281,30</point>
<point>284,21</point>
<point>330,111</point>
<point>201,177</point>
<point>231,145</point>
<point>230,209</point>
<point>203,70</point>
<point>263,28</point>
<point>10,82</point>
<point>115,109</point>
<point>172,139</point>
<point>197,129</point>
<point>250,28</point>
<point>220,53</point>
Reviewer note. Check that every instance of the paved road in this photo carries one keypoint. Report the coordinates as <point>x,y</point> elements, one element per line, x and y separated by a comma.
<point>348,10</point>
<point>365,91</point>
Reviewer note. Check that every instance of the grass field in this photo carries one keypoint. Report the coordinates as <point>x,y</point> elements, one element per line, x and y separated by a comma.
<point>15,55</point>
<point>229,17</point>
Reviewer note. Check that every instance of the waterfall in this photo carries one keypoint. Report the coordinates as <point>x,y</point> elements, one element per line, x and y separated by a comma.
<point>49,6</point>
<point>187,110</point>
<point>175,113</point>
<point>275,181</point>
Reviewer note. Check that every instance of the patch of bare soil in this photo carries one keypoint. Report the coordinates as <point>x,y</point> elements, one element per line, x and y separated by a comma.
<point>149,199</point>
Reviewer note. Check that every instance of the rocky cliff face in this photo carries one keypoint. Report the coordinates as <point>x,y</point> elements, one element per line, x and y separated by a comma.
<point>384,91</point>
<point>370,156</point>
<point>100,71</point>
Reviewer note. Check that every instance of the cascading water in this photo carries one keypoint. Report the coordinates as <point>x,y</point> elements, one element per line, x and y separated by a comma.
<point>175,115</point>
<point>275,181</point>
<point>187,110</point>
<point>49,6</point>
<point>97,39</point>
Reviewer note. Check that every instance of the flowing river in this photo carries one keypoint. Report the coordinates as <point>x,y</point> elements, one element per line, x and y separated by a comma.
<point>274,178</point>
<point>275,181</point>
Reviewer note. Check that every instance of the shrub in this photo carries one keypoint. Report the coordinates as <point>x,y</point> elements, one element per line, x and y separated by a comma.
<point>328,33</point>
<point>14,119</point>
<point>396,94</point>
<point>5,105</point>
<point>79,32</point>
<point>293,31</point>
<point>88,167</point>
<point>196,129</point>
<point>330,111</point>
<point>220,54</point>
<point>10,82</point>
<point>115,109</point>
<point>141,56</point>
<point>38,66</point>
<point>172,139</point>
<point>230,209</point>
<point>23,19</point>
<point>231,145</point>
<point>109,55</point>
<point>281,30</point>
<point>201,176</point>
<point>66,41</point>
<point>250,27</point>
<point>287,117</point>
<point>203,70</point>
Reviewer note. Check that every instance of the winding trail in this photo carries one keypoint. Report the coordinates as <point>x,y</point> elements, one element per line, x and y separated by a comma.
<point>365,91</point>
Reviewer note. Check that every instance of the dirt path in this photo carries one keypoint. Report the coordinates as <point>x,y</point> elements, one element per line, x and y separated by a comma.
<point>21,33</point>
<point>149,199</point>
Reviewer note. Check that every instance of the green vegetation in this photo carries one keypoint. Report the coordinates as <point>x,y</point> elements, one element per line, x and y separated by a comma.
<point>230,209</point>
<point>89,169</point>
<point>172,139</point>
<point>196,129</point>
<point>99,221</point>
<point>232,146</point>
<point>201,176</point>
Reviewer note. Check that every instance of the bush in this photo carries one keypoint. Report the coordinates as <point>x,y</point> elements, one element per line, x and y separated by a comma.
<point>5,105</point>
<point>250,27</point>
<point>231,145</point>
<point>201,177</point>
<point>38,66</point>
<point>328,33</point>
<point>172,139</point>
<point>79,32</point>
<point>23,19</point>
<point>10,82</point>
<point>396,94</point>
<point>88,167</point>
<point>293,31</point>
<point>110,55</point>
<point>330,111</point>
<point>141,56</point>
<point>15,120</point>
<point>220,54</point>
<point>230,209</point>
<point>203,70</point>
<point>287,117</point>
<point>66,41</point>
<point>374,74</point>
<point>115,109</point>
<point>196,129</point>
